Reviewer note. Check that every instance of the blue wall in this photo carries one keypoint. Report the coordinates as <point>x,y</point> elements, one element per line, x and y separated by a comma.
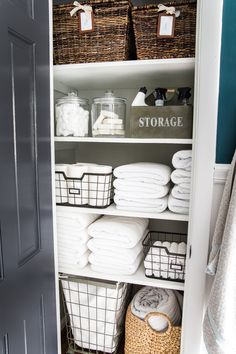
<point>226,133</point>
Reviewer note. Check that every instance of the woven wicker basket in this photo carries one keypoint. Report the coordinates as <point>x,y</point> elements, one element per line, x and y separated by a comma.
<point>108,41</point>
<point>140,338</point>
<point>150,46</point>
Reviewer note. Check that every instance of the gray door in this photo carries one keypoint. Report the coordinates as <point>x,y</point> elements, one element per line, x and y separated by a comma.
<point>27,286</point>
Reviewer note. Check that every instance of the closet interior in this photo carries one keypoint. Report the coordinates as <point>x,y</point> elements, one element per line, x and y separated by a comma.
<point>100,306</point>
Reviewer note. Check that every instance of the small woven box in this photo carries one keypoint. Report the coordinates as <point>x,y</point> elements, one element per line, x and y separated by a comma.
<point>140,338</point>
<point>108,41</point>
<point>150,46</point>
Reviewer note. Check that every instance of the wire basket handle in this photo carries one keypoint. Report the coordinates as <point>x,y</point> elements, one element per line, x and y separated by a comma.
<point>159,314</point>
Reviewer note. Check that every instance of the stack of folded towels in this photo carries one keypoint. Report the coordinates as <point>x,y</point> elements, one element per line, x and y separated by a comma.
<point>166,301</point>
<point>142,186</point>
<point>166,260</point>
<point>178,201</point>
<point>72,236</point>
<point>116,244</point>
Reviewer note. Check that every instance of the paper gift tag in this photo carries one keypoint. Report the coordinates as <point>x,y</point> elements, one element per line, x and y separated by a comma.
<point>86,21</point>
<point>166,26</point>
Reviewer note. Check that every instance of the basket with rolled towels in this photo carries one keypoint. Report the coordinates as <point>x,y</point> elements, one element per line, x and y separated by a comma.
<point>153,322</point>
<point>178,200</point>
<point>165,255</point>
<point>72,238</point>
<point>83,184</point>
<point>95,313</point>
<point>142,186</point>
<point>116,244</point>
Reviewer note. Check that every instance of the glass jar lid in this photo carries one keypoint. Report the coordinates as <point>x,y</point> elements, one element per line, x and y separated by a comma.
<point>109,97</point>
<point>72,97</point>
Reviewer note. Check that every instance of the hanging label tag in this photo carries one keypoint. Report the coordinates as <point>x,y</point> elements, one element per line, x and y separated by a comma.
<point>166,26</point>
<point>86,21</point>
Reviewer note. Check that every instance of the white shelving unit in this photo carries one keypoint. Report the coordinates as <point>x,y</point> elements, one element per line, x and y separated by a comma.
<point>138,278</point>
<point>202,74</point>
<point>111,210</point>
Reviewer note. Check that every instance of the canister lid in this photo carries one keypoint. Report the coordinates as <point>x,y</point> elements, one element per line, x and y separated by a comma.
<point>72,97</point>
<point>109,97</point>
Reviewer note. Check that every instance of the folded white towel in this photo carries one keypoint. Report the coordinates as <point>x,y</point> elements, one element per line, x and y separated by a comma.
<point>111,249</point>
<point>73,253</point>
<point>182,159</point>
<point>134,187</point>
<point>180,176</point>
<point>157,205</point>
<point>80,262</point>
<point>111,260</point>
<point>140,171</point>
<point>137,195</point>
<point>178,205</point>
<point>125,269</point>
<point>180,192</point>
<point>72,217</point>
<point>126,231</point>
<point>150,299</point>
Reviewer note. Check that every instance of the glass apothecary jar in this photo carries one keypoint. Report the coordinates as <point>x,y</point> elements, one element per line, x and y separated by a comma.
<point>72,116</point>
<point>108,116</point>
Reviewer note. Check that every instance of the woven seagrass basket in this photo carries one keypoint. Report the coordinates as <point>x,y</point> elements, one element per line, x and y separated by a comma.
<point>140,338</point>
<point>109,40</point>
<point>150,46</point>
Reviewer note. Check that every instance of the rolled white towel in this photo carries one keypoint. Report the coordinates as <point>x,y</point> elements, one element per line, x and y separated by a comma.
<point>173,247</point>
<point>178,205</point>
<point>61,183</point>
<point>182,248</point>
<point>181,176</point>
<point>124,230</point>
<point>99,185</point>
<point>136,187</point>
<point>157,205</point>
<point>182,159</point>
<point>150,299</point>
<point>140,171</point>
<point>78,190</point>
<point>180,192</point>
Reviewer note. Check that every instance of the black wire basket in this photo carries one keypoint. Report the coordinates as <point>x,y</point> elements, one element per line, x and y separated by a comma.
<point>160,262</point>
<point>95,313</point>
<point>92,190</point>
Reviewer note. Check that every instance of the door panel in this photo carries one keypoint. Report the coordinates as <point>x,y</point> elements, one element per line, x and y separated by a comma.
<point>27,275</point>
<point>25,147</point>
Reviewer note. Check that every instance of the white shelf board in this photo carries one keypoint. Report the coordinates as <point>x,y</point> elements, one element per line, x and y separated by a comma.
<point>111,210</point>
<point>72,139</point>
<point>137,278</point>
<point>126,74</point>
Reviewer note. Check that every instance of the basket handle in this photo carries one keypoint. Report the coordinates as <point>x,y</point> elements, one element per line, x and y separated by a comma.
<point>159,314</point>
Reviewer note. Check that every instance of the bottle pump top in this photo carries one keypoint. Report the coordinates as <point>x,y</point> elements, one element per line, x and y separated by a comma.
<point>184,94</point>
<point>160,96</point>
<point>143,89</point>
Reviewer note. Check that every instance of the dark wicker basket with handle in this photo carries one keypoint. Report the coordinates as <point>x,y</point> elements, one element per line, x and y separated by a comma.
<point>150,46</point>
<point>108,41</point>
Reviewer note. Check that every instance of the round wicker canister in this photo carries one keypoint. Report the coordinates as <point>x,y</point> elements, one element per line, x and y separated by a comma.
<point>140,338</point>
